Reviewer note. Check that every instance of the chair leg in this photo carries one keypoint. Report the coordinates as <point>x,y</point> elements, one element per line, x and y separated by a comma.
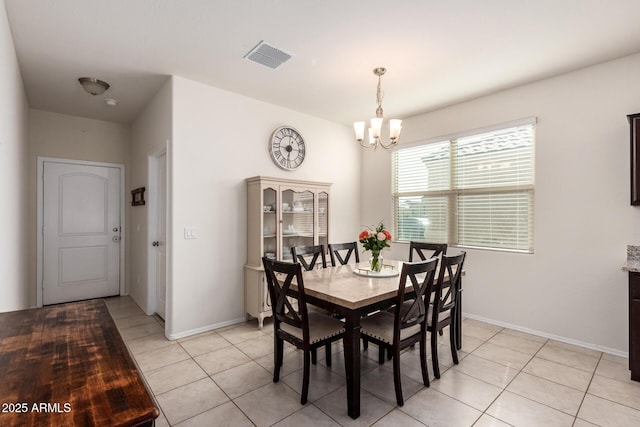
<point>314,356</point>
<point>365,343</point>
<point>389,353</point>
<point>452,343</point>
<point>327,351</point>
<point>380,354</point>
<point>277,358</point>
<point>280,352</point>
<point>454,328</point>
<point>305,378</point>
<point>396,376</point>
<point>423,360</point>
<point>434,354</point>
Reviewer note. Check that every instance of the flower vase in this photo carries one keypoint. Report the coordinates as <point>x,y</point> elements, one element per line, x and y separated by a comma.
<point>375,262</point>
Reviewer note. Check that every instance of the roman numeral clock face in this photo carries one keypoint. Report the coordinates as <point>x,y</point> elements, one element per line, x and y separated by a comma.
<point>287,148</point>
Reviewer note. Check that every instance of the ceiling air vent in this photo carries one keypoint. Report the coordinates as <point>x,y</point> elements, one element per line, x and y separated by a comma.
<point>267,55</point>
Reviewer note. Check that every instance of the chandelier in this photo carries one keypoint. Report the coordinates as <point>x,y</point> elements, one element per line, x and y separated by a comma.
<point>374,138</point>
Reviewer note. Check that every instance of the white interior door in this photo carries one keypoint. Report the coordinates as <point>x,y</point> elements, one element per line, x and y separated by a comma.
<point>161,236</point>
<point>81,232</point>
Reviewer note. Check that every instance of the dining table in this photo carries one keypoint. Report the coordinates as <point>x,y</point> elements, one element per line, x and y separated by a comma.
<point>67,365</point>
<point>353,291</point>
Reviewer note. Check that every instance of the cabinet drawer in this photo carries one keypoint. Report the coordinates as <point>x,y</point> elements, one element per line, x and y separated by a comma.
<point>634,339</point>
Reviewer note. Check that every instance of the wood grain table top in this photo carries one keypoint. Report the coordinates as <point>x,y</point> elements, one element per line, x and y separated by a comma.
<point>66,365</point>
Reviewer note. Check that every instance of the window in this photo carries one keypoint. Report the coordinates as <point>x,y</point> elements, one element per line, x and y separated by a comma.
<point>472,190</point>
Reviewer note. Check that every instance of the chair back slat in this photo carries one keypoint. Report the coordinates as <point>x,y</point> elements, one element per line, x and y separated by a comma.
<point>343,259</point>
<point>426,250</point>
<point>421,276</point>
<point>301,253</point>
<point>279,287</point>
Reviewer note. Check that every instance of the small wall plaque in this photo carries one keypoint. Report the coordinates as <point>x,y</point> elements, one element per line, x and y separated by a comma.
<point>137,197</point>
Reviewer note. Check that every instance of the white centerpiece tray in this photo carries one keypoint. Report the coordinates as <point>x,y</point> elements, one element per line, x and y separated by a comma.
<point>387,271</point>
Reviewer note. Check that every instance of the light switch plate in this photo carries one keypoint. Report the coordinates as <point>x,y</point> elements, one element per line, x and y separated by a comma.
<point>189,233</point>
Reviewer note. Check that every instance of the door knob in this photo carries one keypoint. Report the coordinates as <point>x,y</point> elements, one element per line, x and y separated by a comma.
<point>156,243</point>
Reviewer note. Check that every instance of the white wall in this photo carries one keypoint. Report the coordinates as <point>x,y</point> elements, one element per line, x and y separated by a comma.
<point>150,132</point>
<point>14,110</point>
<point>77,138</point>
<point>572,287</point>
<point>219,140</point>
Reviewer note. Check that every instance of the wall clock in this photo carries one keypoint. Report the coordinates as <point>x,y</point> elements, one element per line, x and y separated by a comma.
<point>287,148</point>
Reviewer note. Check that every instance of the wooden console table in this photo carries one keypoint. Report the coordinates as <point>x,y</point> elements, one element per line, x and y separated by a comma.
<point>66,365</point>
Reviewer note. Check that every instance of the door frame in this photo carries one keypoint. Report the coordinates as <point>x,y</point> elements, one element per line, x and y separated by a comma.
<point>40,221</point>
<point>152,221</point>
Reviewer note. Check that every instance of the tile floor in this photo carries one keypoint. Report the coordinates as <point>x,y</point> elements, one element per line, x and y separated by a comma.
<point>505,377</point>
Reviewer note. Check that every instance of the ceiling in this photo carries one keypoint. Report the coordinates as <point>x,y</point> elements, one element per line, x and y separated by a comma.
<point>436,52</point>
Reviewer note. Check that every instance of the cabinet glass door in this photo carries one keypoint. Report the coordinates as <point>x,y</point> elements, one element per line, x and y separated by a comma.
<point>269,223</point>
<point>297,220</point>
<point>323,221</point>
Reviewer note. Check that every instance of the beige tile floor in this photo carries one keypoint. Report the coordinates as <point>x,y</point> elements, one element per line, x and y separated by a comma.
<point>505,377</point>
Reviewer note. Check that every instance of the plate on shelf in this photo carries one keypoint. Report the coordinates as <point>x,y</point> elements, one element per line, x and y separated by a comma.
<point>387,271</point>
<point>289,232</point>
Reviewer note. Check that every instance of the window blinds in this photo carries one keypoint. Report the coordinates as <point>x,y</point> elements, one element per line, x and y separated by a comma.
<point>476,190</point>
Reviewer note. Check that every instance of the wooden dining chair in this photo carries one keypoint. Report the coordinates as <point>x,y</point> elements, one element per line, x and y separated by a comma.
<point>426,250</point>
<point>407,324</point>
<point>343,258</point>
<point>308,256</point>
<point>307,330</point>
<point>442,312</point>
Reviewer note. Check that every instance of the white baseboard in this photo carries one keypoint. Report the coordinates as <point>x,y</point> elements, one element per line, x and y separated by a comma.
<point>591,346</point>
<point>206,328</point>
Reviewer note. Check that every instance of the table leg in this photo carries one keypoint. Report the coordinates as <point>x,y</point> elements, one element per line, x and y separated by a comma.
<point>352,363</point>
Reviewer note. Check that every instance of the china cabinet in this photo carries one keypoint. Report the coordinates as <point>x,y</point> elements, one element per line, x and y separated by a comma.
<point>281,214</point>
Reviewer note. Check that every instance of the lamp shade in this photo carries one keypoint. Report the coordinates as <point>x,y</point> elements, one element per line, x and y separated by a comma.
<point>395,126</point>
<point>372,139</point>
<point>358,127</point>
<point>376,126</point>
